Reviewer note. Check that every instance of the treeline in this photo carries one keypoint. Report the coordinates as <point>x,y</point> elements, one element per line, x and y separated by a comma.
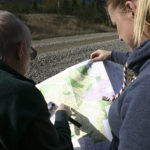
<point>89,11</point>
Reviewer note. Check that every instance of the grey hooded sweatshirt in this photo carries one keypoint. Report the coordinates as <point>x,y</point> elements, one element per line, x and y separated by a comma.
<point>129,115</point>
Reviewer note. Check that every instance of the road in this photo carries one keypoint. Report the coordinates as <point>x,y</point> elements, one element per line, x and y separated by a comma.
<point>61,43</point>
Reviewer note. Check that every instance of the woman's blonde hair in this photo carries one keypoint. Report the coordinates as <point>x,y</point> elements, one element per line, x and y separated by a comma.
<point>142,16</point>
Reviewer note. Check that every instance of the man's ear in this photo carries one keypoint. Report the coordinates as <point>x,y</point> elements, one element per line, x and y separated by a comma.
<point>19,50</point>
<point>131,7</point>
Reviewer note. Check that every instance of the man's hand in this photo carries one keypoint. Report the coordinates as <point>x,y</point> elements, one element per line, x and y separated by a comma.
<point>100,55</point>
<point>65,108</point>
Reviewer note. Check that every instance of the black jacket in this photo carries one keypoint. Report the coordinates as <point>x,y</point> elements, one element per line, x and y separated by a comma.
<point>24,116</point>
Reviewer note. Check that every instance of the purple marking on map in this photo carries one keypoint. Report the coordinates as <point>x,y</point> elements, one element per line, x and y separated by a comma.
<point>98,90</point>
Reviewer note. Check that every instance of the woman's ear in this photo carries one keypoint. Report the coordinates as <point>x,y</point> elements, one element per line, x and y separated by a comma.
<point>131,7</point>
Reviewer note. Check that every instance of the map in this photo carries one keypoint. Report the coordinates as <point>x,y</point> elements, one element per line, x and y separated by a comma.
<point>82,87</point>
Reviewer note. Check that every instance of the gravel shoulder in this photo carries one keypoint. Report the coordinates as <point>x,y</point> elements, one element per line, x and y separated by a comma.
<point>51,62</point>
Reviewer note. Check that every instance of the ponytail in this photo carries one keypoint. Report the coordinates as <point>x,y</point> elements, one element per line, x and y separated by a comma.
<point>141,19</point>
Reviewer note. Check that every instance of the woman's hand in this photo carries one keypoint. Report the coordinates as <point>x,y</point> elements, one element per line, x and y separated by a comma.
<point>100,55</point>
<point>65,108</point>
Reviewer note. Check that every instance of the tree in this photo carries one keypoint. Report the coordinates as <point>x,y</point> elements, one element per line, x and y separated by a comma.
<point>75,6</point>
<point>34,5</point>
<point>66,6</point>
<point>83,4</point>
<point>49,6</point>
<point>98,10</point>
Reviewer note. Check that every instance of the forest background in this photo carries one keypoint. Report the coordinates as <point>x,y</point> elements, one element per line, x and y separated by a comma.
<point>55,18</point>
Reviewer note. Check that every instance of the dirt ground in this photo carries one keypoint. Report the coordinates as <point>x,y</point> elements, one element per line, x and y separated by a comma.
<point>45,26</point>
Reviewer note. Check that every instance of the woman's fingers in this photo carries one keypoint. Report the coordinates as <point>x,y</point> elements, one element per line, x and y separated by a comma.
<point>100,55</point>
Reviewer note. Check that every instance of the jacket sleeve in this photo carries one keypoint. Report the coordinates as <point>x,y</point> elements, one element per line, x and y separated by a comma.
<point>135,114</point>
<point>43,134</point>
<point>120,57</point>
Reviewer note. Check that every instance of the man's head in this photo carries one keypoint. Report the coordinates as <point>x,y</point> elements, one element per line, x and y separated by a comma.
<point>15,42</point>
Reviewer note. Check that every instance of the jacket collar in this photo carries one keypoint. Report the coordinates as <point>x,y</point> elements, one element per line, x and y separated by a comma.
<point>7,68</point>
<point>139,56</point>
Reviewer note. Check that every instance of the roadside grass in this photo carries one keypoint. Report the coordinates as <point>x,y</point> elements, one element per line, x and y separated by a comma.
<point>45,26</point>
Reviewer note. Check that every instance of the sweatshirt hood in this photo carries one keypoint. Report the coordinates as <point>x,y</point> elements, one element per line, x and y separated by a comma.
<point>139,56</point>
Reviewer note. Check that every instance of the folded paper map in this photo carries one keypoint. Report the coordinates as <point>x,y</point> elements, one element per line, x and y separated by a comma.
<point>82,87</point>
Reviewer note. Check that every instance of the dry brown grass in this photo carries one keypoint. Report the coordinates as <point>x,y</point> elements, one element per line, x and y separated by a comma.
<point>51,25</point>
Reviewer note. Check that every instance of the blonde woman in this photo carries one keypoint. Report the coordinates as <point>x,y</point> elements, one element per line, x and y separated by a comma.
<point>129,115</point>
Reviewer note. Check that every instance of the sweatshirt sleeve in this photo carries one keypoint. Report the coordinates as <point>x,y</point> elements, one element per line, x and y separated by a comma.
<point>43,134</point>
<point>120,57</point>
<point>135,114</point>
<point>52,137</point>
